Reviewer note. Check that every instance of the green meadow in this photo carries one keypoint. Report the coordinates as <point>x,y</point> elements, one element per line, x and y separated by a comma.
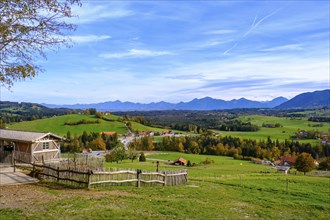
<point>288,129</point>
<point>226,189</point>
<point>56,125</point>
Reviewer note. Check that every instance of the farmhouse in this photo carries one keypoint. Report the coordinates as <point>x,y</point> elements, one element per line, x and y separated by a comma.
<point>29,146</point>
<point>287,161</point>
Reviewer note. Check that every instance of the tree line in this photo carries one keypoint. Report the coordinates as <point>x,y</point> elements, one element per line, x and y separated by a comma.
<point>232,146</point>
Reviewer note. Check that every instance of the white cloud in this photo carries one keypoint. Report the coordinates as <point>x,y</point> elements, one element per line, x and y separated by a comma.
<point>284,48</point>
<point>135,53</point>
<point>89,38</point>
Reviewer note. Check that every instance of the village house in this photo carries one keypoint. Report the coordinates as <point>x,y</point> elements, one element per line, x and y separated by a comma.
<point>29,146</point>
<point>108,133</point>
<point>287,161</point>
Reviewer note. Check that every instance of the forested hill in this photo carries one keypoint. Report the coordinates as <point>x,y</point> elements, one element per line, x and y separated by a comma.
<point>308,100</point>
<point>23,111</point>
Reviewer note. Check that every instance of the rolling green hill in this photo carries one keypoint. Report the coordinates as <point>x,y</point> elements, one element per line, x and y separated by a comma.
<point>56,125</point>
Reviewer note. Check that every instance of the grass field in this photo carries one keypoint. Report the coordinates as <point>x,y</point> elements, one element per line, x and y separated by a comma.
<point>290,126</point>
<point>56,125</point>
<point>227,189</point>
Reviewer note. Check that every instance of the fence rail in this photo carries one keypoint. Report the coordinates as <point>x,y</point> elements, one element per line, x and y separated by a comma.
<point>89,178</point>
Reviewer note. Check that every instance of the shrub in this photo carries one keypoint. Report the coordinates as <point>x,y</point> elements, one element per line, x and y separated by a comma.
<point>207,161</point>
<point>142,157</point>
<point>238,157</point>
<point>325,164</point>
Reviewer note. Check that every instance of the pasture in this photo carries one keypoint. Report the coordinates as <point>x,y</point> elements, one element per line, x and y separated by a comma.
<point>56,125</point>
<point>226,189</point>
<point>290,126</point>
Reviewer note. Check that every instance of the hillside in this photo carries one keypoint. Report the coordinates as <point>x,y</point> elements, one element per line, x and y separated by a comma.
<point>17,111</point>
<point>225,189</point>
<point>56,125</point>
<point>309,100</point>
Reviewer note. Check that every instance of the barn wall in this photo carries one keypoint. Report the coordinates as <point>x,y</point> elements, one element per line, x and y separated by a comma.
<point>40,154</point>
<point>23,151</point>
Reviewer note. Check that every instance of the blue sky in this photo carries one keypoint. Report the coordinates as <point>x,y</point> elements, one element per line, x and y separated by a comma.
<point>149,51</point>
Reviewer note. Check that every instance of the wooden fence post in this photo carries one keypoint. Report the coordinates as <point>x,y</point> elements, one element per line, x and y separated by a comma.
<point>164,179</point>
<point>58,174</point>
<point>138,172</point>
<point>89,178</point>
<point>33,169</point>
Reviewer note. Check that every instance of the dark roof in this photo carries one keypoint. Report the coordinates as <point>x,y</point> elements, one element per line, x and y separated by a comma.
<point>26,136</point>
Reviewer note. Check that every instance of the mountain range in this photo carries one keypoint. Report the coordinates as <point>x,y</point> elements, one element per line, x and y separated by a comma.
<point>305,100</point>
<point>206,103</point>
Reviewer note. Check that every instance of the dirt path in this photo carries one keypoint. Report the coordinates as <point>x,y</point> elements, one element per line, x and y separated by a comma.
<point>34,196</point>
<point>9,177</point>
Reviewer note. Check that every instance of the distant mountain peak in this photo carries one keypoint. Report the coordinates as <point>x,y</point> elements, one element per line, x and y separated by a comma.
<point>206,103</point>
<point>308,100</point>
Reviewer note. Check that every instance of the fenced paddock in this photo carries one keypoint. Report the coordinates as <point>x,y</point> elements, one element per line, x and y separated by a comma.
<point>83,177</point>
<point>82,161</point>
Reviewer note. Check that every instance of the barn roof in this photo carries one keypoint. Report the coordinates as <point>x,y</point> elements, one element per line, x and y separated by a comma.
<point>26,136</point>
<point>180,159</point>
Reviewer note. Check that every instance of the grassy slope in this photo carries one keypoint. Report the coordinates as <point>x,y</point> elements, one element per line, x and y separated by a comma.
<point>56,125</point>
<point>290,126</point>
<point>224,190</point>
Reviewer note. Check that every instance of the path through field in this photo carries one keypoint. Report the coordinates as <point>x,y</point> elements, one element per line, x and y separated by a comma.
<point>9,177</point>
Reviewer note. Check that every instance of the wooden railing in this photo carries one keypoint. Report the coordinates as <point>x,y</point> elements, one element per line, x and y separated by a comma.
<point>114,176</point>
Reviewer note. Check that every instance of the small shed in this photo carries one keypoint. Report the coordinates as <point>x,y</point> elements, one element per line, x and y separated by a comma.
<point>30,146</point>
<point>180,161</point>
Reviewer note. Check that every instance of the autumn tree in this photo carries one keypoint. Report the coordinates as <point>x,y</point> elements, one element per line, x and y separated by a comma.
<point>28,28</point>
<point>97,144</point>
<point>305,163</point>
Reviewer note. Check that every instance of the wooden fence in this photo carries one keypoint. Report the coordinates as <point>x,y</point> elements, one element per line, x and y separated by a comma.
<point>88,178</point>
<point>82,161</point>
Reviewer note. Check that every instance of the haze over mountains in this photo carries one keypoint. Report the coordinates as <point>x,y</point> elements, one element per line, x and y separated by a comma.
<point>304,100</point>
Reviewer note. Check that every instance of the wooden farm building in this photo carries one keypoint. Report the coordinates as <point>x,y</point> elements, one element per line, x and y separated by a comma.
<point>29,146</point>
<point>180,161</point>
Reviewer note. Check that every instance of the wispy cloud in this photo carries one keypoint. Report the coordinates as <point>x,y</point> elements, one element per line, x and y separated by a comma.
<point>93,12</point>
<point>89,38</point>
<point>135,53</point>
<point>221,31</point>
<point>186,77</point>
<point>287,47</point>
<point>254,25</point>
